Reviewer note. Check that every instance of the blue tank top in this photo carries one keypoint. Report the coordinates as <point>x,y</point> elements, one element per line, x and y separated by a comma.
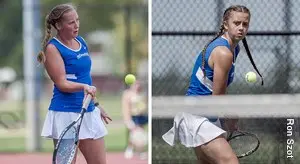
<point>77,66</point>
<point>203,86</point>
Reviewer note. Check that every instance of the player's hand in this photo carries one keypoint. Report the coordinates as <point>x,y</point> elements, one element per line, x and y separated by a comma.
<point>90,90</point>
<point>230,125</point>
<point>104,116</point>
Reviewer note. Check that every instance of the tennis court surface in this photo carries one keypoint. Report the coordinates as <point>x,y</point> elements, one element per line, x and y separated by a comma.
<point>45,158</point>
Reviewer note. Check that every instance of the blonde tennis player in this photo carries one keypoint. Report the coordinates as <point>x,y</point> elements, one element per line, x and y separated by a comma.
<point>67,62</point>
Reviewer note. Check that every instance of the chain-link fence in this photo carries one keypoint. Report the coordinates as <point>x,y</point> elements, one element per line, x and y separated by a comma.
<point>271,132</point>
<point>179,32</point>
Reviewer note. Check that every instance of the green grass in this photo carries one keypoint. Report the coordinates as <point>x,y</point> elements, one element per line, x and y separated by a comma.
<point>114,141</point>
<point>11,141</point>
<point>111,104</point>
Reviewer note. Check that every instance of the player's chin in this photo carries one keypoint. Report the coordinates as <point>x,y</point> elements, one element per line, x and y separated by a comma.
<point>240,37</point>
<point>75,33</point>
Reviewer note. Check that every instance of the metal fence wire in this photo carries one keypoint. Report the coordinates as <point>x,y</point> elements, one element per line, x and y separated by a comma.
<point>270,131</point>
<point>180,29</point>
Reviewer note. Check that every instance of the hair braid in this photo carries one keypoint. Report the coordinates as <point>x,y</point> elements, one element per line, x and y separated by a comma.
<point>51,19</point>
<point>41,56</point>
<point>251,59</point>
<point>221,31</point>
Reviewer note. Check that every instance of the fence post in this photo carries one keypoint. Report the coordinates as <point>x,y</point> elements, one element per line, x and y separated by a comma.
<point>31,37</point>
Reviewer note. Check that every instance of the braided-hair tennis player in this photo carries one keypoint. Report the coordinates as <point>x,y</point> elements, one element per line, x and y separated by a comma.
<point>67,61</point>
<point>213,72</point>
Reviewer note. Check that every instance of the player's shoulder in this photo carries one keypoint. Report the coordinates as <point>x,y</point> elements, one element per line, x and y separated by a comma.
<point>222,50</point>
<point>222,53</point>
<point>219,41</point>
<point>51,48</point>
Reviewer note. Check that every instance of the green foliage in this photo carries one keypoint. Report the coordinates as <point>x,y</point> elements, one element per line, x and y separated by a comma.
<point>11,32</point>
<point>95,15</point>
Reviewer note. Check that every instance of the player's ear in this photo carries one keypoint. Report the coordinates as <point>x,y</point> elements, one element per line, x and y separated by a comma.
<point>225,24</point>
<point>58,25</point>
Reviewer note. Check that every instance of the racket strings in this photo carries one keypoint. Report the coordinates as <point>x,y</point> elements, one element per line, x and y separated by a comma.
<point>68,142</point>
<point>67,148</point>
<point>244,144</point>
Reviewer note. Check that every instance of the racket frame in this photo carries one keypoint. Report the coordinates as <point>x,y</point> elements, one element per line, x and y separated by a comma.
<point>243,133</point>
<point>79,118</point>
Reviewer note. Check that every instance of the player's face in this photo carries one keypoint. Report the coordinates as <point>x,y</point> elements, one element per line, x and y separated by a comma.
<point>70,24</point>
<point>237,25</point>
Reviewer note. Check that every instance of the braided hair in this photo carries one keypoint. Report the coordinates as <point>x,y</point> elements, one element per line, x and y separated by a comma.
<point>51,19</point>
<point>226,15</point>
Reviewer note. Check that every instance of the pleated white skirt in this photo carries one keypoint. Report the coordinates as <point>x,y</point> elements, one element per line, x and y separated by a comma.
<point>192,130</point>
<point>92,126</point>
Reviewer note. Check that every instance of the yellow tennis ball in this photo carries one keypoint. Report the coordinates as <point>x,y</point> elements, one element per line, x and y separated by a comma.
<point>250,77</point>
<point>130,79</point>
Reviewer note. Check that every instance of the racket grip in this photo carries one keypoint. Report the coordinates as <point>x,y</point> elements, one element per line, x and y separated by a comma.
<point>87,101</point>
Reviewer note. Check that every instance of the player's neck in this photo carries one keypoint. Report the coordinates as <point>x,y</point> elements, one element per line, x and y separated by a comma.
<point>232,43</point>
<point>66,41</point>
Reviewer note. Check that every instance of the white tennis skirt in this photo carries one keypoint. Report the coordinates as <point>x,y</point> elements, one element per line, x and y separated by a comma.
<point>192,130</point>
<point>92,126</point>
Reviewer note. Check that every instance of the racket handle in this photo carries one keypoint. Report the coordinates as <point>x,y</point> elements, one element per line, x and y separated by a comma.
<point>87,101</point>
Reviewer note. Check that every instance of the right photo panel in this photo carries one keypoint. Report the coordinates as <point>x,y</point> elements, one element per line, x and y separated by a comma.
<point>225,82</point>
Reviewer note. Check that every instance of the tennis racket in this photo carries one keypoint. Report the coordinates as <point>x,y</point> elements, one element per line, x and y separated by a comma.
<point>243,143</point>
<point>66,146</point>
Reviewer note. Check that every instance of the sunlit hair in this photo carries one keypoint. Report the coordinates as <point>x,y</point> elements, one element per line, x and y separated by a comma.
<point>52,18</point>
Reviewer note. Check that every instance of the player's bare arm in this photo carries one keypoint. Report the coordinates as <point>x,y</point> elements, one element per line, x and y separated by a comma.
<point>55,69</point>
<point>221,62</point>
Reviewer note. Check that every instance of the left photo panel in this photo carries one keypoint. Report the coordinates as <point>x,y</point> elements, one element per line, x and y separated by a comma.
<point>74,82</point>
